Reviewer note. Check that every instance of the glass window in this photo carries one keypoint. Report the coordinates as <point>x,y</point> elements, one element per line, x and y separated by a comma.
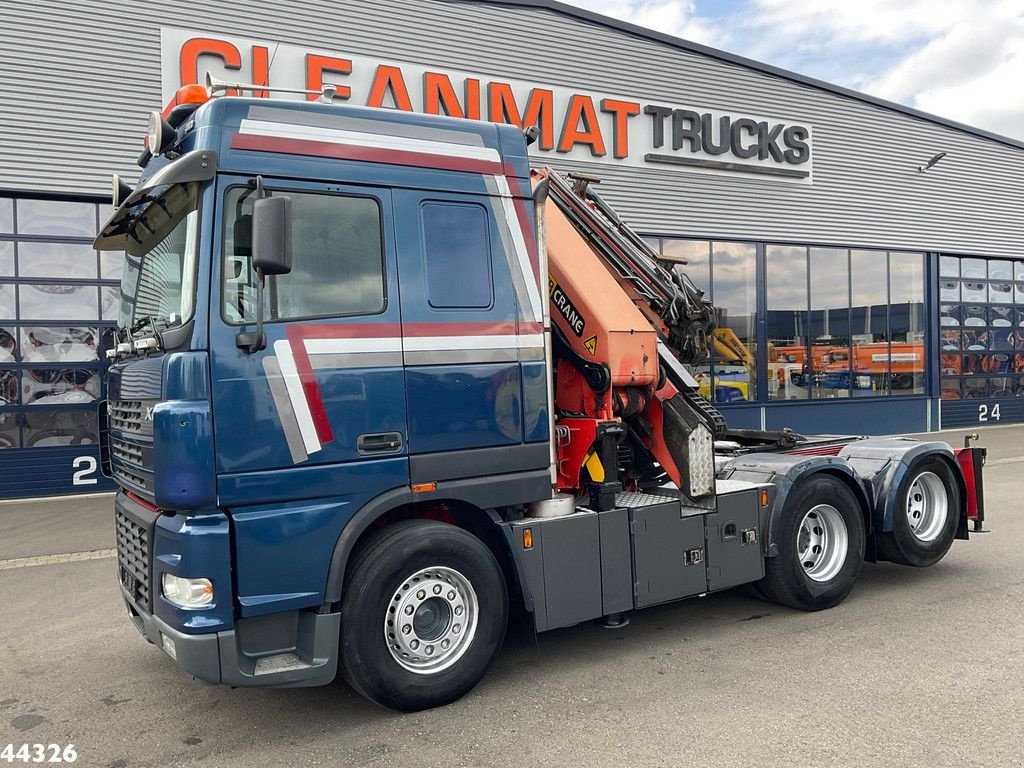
<point>1000,293</point>
<point>54,218</point>
<point>1018,269</point>
<point>1000,317</point>
<point>58,302</point>
<point>6,215</point>
<point>58,345</point>
<point>869,324</point>
<point>949,266</point>
<point>457,254</point>
<point>907,323</point>
<point>949,289</point>
<point>10,433</point>
<point>695,254</point>
<point>129,279</point>
<point>70,261</point>
<point>6,259</point>
<point>830,323</point>
<point>975,389</point>
<point>973,268</point>
<point>165,287</point>
<point>8,387</point>
<point>110,295</point>
<point>59,386</point>
<point>734,266</point>
<point>950,315</point>
<point>337,260</point>
<point>787,305</point>
<point>111,265</point>
<point>51,428</point>
<point>8,345</point>
<point>7,301</point>
<point>1000,269</point>
<point>951,389</point>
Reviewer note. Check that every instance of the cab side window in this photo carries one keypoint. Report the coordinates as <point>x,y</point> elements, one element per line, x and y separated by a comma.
<point>337,259</point>
<point>456,248</point>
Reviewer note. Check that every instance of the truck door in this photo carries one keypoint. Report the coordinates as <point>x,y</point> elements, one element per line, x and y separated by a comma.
<point>327,394</point>
<point>464,340</point>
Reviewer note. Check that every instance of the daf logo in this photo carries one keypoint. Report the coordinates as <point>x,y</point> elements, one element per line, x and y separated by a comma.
<point>148,413</point>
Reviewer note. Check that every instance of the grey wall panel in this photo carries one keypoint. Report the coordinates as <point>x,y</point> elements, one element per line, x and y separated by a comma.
<point>79,77</point>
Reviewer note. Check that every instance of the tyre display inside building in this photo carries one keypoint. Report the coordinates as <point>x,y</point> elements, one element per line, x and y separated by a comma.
<point>981,336</point>
<point>59,302</point>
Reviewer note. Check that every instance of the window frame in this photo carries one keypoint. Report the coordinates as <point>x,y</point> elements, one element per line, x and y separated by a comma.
<point>426,258</point>
<point>271,190</point>
<point>931,381</point>
<point>15,416</point>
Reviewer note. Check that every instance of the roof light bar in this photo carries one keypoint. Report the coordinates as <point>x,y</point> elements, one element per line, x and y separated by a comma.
<point>216,87</point>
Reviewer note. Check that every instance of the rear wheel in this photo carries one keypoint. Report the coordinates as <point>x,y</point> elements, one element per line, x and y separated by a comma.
<point>926,516</point>
<point>423,615</point>
<point>821,546</point>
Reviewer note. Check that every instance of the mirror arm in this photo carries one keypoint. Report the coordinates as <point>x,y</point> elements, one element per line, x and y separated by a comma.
<point>254,341</point>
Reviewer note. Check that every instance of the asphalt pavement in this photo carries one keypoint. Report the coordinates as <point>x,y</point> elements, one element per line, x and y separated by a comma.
<point>916,668</point>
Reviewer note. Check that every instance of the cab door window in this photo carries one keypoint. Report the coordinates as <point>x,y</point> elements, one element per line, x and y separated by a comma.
<point>337,259</point>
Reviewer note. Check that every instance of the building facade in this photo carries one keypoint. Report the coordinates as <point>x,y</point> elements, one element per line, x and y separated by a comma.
<point>865,259</point>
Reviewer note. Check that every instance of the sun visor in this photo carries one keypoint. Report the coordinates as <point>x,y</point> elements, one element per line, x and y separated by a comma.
<point>198,165</point>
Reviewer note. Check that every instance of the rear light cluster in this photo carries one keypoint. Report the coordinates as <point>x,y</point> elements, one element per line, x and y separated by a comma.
<point>971,460</point>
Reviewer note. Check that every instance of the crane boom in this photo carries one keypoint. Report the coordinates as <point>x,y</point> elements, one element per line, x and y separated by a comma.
<point>624,324</point>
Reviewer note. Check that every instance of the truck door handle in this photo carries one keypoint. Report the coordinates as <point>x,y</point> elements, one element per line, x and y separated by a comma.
<point>379,442</point>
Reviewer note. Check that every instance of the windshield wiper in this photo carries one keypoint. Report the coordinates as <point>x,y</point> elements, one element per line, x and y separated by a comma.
<point>142,323</point>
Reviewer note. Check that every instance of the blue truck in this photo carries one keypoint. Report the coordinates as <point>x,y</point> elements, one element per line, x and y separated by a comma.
<point>351,435</point>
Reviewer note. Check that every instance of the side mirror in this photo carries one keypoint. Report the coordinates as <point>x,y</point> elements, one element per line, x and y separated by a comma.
<point>272,235</point>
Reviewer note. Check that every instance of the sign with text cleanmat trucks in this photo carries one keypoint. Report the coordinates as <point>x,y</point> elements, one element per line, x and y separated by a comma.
<point>580,125</point>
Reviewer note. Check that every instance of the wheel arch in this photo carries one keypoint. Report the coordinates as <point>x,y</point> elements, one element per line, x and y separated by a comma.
<point>788,471</point>
<point>884,464</point>
<point>461,503</point>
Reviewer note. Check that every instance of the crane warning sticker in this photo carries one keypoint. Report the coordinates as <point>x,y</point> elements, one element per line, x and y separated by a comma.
<point>566,309</point>
<point>591,344</point>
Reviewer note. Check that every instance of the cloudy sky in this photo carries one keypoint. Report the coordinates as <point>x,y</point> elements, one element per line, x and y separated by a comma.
<point>959,59</point>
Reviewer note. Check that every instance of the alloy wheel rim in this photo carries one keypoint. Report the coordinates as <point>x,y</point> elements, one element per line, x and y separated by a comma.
<point>431,620</point>
<point>927,507</point>
<point>822,542</point>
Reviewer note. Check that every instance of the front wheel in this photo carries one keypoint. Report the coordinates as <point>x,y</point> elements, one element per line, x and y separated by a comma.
<point>423,615</point>
<point>820,546</point>
<point>926,516</point>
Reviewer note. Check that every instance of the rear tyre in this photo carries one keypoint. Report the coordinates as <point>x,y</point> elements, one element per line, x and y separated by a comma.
<point>423,615</point>
<point>926,516</point>
<point>821,547</point>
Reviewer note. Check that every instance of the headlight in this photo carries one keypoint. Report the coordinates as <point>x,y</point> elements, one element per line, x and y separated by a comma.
<point>160,134</point>
<point>187,593</point>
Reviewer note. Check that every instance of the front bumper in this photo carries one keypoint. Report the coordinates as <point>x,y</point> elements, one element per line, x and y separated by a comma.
<point>287,650</point>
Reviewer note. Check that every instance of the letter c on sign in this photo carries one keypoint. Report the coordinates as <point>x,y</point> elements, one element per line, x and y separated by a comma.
<point>205,46</point>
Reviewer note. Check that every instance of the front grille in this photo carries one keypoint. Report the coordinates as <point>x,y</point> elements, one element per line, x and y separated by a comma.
<point>125,451</point>
<point>133,542</point>
<point>126,477</point>
<point>130,416</point>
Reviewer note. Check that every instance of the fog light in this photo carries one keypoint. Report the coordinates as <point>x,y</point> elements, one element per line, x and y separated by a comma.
<point>187,593</point>
<point>169,648</point>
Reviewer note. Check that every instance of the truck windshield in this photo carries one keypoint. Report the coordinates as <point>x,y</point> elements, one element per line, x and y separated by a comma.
<point>158,282</point>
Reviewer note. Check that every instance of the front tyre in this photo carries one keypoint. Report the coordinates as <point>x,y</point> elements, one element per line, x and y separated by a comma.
<point>926,516</point>
<point>820,546</point>
<point>423,615</point>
